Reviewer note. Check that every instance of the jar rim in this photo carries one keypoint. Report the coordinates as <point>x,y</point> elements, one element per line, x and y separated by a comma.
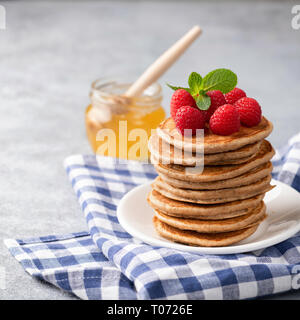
<point>104,82</point>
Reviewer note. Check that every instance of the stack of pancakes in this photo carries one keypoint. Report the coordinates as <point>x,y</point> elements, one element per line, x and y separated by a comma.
<point>224,203</point>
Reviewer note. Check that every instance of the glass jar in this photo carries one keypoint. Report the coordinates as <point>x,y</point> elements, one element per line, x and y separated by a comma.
<point>120,127</point>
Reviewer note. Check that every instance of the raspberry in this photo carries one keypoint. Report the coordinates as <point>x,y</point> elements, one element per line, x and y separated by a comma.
<point>234,95</point>
<point>179,99</point>
<point>189,118</point>
<point>217,99</point>
<point>249,110</point>
<point>225,120</point>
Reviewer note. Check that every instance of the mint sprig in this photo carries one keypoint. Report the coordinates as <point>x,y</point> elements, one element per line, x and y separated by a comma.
<point>220,79</point>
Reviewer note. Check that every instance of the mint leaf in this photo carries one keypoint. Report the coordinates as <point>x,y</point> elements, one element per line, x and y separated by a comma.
<point>203,101</point>
<point>195,81</point>
<point>176,88</point>
<point>220,79</point>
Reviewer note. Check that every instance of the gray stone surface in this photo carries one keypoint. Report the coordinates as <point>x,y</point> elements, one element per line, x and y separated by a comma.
<point>51,52</point>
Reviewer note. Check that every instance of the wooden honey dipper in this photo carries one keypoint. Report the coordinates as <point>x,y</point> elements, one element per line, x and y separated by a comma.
<point>152,73</point>
<point>163,63</point>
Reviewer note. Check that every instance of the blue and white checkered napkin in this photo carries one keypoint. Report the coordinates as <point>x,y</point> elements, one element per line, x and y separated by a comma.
<point>107,263</point>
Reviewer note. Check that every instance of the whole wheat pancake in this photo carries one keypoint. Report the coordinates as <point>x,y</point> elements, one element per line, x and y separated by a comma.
<point>214,143</point>
<point>202,239</point>
<point>202,211</point>
<point>166,153</point>
<point>225,162</point>
<point>242,180</point>
<point>212,196</point>
<point>213,226</point>
<point>216,173</point>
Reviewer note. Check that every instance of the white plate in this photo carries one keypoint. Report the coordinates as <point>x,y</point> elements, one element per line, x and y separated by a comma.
<point>283,221</point>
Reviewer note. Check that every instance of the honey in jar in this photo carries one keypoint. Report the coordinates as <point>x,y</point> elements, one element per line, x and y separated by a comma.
<point>120,127</point>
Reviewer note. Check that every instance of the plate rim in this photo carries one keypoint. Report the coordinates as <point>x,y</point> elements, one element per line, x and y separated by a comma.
<point>232,249</point>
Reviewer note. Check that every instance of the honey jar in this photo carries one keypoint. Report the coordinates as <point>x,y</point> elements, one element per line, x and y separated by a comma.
<point>119,127</point>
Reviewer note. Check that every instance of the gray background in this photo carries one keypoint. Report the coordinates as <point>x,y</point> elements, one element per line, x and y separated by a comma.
<point>52,51</point>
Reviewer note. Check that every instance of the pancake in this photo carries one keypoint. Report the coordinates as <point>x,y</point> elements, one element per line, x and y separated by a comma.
<point>214,143</point>
<point>234,161</point>
<point>213,226</point>
<point>194,238</point>
<point>168,154</point>
<point>212,196</point>
<point>202,211</point>
<point>242,180</point>
<point>216,173</point>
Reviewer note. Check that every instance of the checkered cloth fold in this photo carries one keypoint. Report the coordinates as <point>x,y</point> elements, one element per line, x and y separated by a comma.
<point>107,263</point>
